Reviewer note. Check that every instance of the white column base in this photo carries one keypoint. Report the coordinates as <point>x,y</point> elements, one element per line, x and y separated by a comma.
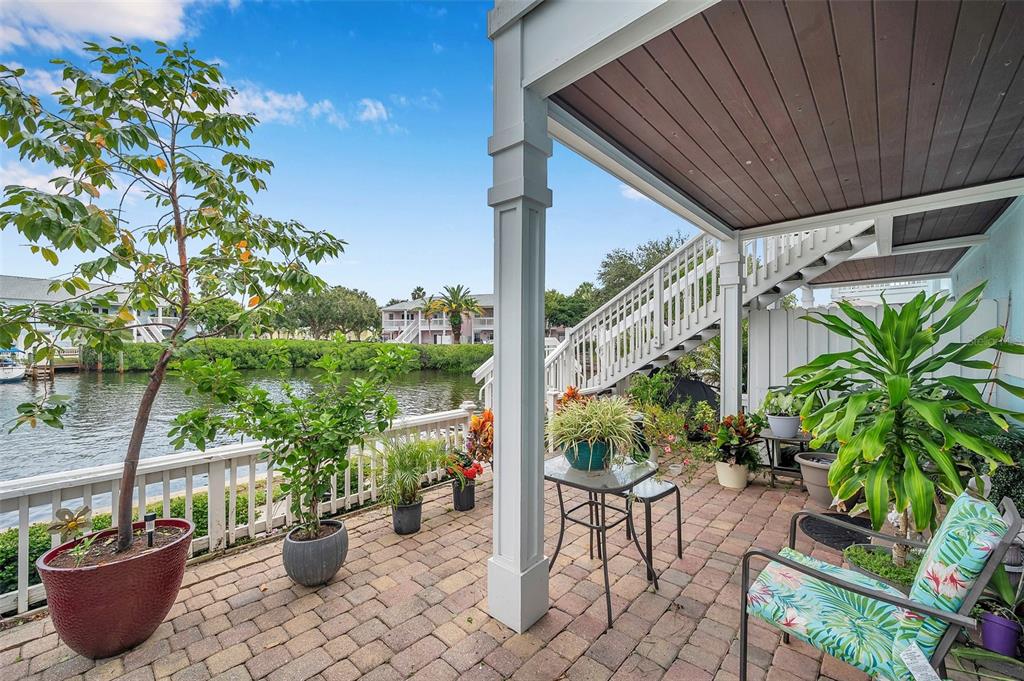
<point>517,599</point>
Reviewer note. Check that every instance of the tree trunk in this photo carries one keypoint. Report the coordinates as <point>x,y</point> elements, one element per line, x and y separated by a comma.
<point>899,551</point>
<point>131,460</point>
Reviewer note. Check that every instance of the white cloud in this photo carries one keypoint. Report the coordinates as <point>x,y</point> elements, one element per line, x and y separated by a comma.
<point>632,194</point>
<point>372,111</point>
<point>23,175</point>
<point>39,81</point>
<point>56,24</point>
<point>438,48</point>
<point>269,106</point>
<point>326,109</point>
<point>431,100</point>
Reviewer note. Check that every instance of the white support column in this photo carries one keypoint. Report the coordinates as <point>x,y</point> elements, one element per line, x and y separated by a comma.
<point>731,291</point>
<point>517,572</point>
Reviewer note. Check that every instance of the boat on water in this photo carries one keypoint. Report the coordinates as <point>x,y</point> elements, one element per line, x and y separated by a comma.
<point>11,369</point>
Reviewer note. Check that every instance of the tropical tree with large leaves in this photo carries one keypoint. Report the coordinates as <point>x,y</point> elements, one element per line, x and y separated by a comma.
<point>158,135</point>
<point>455,302</point>
<point>891,401</point>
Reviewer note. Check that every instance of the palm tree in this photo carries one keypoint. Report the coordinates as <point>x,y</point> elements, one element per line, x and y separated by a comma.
<point>419,293</point>
<point>454,301</point>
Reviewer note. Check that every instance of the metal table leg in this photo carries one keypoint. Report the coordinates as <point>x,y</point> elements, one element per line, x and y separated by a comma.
<point>561,527</point>
<point>604,560</point>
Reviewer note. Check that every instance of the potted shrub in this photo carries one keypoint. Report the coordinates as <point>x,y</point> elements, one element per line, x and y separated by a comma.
<point>814,468</point>
<point>120,125</point>
<point>783,412</point>
<point>465,469</point>
<point>306,438</point>
<point>891,414</point>
<point>702,424</point>
<point>400,479</point>
<point>591,432</point>
<point>737,452</point>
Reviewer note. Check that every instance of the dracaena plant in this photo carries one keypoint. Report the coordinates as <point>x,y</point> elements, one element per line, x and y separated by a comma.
<point>151,189</point>
<point>890,401</point>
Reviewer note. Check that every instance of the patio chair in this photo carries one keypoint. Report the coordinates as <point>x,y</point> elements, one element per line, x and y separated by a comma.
<point>647,492</point>
<point>866,623</point>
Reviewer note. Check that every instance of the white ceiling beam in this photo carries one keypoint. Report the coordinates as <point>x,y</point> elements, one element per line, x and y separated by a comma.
<point>941,244</point>
<point>881,280</point>
<point>564,40</point>
<point>507,12</point>
<point>883,234</point>
<point>917,204</point>
<point>572,133</point>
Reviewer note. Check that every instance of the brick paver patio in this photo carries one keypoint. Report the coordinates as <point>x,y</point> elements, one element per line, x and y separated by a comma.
<point>415,607</point>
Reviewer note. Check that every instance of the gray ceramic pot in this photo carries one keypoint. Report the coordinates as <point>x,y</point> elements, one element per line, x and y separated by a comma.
<point>814,470</point>
<point>312,563</point>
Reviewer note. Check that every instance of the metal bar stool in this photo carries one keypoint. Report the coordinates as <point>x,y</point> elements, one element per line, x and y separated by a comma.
<point>647,492</point>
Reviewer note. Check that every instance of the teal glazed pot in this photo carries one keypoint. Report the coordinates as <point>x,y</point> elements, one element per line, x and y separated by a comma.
<point>585,456</point>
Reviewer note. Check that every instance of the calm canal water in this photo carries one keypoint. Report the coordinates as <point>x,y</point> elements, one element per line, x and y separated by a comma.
<point>102,407</point>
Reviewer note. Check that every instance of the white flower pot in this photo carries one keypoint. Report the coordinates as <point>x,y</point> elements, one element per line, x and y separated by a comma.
<point>784,426</point>
<point>731,475</point>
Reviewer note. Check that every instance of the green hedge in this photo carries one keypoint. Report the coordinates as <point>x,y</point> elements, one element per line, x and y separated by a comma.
<point>260,354</point>
<point>39,538</point>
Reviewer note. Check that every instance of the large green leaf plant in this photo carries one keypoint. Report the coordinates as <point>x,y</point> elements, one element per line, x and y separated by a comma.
<point>889,403</point>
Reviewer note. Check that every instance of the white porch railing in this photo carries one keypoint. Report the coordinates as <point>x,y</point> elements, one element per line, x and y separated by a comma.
<point>230,475</point>
<point>673,304</point>
<point>410,334</point>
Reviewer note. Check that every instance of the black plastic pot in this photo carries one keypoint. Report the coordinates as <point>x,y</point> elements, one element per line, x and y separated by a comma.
<point>464,497</point>
<point>407,519</point>
<point>314,562</point>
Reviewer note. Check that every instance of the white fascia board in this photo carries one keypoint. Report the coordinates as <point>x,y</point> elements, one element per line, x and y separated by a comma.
<point>941,244</point>
<point>916,204</point>
<point>575,135</point>
<point>564,40</point>
<point>882,280</point>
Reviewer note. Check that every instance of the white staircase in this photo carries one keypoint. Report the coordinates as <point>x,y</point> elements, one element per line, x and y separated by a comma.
<point>675,307</point>
<point>410,334</point>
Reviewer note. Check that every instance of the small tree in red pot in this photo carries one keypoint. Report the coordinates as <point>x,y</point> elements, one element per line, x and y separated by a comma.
<point>164,134</point>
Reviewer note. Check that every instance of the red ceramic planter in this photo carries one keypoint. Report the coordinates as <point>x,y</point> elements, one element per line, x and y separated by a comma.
<point>103,610</point>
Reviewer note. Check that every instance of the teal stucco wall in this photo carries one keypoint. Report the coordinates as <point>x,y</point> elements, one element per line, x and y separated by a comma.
<point>1000,261</point>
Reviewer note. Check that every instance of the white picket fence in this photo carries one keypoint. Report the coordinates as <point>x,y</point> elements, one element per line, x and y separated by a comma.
<point>220,471</point>
<point>780,341</point>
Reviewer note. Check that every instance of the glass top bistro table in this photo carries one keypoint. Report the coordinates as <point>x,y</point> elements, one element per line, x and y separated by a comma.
<point>614,480</point>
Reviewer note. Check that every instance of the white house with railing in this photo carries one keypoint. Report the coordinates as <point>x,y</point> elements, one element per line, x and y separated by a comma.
<point>153,325</point>
<point>405,322</point>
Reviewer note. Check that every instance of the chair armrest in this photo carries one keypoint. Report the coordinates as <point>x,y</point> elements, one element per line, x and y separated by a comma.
<point>885,597</point>
<point>793,524</point>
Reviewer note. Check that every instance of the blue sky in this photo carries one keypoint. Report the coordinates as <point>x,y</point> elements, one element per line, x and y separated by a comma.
<point>376,115</point>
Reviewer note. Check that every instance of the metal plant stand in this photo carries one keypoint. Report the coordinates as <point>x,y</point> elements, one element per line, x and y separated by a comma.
<point>774,444</point>
<point>616,480</point>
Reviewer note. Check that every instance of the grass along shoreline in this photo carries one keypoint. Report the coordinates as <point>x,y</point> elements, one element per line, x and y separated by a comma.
<point>283,353</point>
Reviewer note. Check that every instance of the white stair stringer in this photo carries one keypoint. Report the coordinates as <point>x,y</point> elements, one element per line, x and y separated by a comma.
<point>675,307</point>
<point>410,334</point>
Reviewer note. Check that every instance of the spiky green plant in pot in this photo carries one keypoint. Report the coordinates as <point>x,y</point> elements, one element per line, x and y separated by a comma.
<point>890,402</point>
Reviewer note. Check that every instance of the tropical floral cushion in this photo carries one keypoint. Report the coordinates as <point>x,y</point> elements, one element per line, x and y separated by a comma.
<point>955,557</point>
<point>865,632</point>
<point>853,628</point>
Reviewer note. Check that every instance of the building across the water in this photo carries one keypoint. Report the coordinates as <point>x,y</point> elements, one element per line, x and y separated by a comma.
<point>154,324</point>
<point>405,322</point>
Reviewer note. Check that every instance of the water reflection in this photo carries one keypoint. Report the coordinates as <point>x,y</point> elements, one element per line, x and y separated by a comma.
<point>102,408</point>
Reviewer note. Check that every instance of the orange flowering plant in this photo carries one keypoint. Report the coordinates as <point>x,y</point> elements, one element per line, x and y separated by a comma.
<point>480,441</point>
<point>571,394</point>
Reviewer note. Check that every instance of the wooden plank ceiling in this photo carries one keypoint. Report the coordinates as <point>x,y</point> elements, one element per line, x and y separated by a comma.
<point>767,111</point>
<point>908,265</point>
